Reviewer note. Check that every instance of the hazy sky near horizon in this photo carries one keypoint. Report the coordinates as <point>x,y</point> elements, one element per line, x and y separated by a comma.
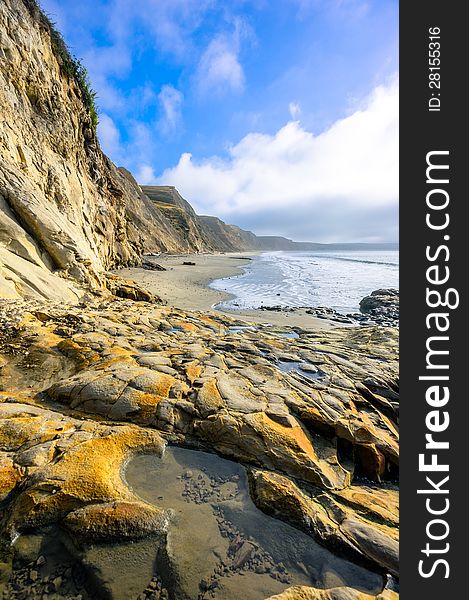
<point>280,116</point>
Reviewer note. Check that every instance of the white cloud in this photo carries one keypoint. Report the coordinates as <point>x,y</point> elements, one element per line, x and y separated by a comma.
<point>168,24</point>
<point>219,68</point>
<point>132,152</point>
<point>349,171</point>
<point>104,64</point>
<point>171,100</point>
<point>145,175</point>
<point>295,110</point>
<point>355,9</point>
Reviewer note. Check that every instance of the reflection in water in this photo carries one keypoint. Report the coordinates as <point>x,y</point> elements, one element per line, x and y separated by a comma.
<point>306,370</point>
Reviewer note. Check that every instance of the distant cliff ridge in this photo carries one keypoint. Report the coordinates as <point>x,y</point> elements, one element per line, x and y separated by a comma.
<point>204,233</point>
<point>274,242</point>
<point>219,236</point>
<point>179,214</point>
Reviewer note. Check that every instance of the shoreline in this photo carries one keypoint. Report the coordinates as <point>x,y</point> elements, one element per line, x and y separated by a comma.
<point>187,287</point>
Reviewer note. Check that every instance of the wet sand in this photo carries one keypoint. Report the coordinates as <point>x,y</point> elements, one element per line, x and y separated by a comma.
<point>186,287</point>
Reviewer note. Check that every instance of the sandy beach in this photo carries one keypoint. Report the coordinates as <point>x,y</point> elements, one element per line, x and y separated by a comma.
<point>186,287</point>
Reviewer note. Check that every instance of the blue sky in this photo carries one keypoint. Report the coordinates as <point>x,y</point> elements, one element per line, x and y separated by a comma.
<point>256,110</point>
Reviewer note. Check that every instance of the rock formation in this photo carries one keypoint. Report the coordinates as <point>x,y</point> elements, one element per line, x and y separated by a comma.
<point>382,303</point>
<point>183,220</point>
<point>83,389</point>
<point>67,213</point>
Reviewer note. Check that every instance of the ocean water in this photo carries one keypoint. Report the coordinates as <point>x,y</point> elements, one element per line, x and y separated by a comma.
<point>336,279</point>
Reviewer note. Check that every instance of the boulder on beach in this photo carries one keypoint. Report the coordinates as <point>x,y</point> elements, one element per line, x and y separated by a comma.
<point>385,301</point>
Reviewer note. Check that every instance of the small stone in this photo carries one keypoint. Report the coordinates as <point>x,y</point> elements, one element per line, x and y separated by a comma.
<point>57,583</point>
<point>260,569</point>
<point>243,554</point>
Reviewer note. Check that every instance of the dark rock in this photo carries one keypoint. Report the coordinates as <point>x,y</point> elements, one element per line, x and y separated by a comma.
<point>125,288</point>
<point>383,302</point>
<point>152,266</point>
<point>243,554</point>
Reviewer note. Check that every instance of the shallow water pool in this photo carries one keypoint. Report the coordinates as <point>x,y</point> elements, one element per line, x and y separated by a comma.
<point>219,545</point>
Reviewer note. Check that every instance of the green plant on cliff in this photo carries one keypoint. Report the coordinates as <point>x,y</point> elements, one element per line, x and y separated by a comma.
<point>89,95</point>
<point>69,64</point>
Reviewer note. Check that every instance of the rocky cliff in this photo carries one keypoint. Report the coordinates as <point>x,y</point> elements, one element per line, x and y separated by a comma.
<point>66,212</point>
<point>196,232</point>
<point>229,238</point>
<point>185,224</point>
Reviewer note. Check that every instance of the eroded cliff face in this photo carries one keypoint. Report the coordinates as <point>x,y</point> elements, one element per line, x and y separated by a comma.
<point>184,221</point>
<point>229,238</point>
<point>203,233</point>
<point>66,212</point>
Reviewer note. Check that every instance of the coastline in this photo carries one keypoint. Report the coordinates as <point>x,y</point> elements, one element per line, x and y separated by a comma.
<point>187,287</point>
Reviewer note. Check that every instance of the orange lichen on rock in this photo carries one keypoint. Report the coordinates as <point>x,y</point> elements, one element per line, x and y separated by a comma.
<point>299,445</point>
<point>209,399</point>
<point>116,356</point>
<point>193,371</point>
<point>186,326</point>
<point>86,471</point>
<point>9,476</point>
<point>17,430</point>
<point>384,503</point>
<point>338,593</point>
